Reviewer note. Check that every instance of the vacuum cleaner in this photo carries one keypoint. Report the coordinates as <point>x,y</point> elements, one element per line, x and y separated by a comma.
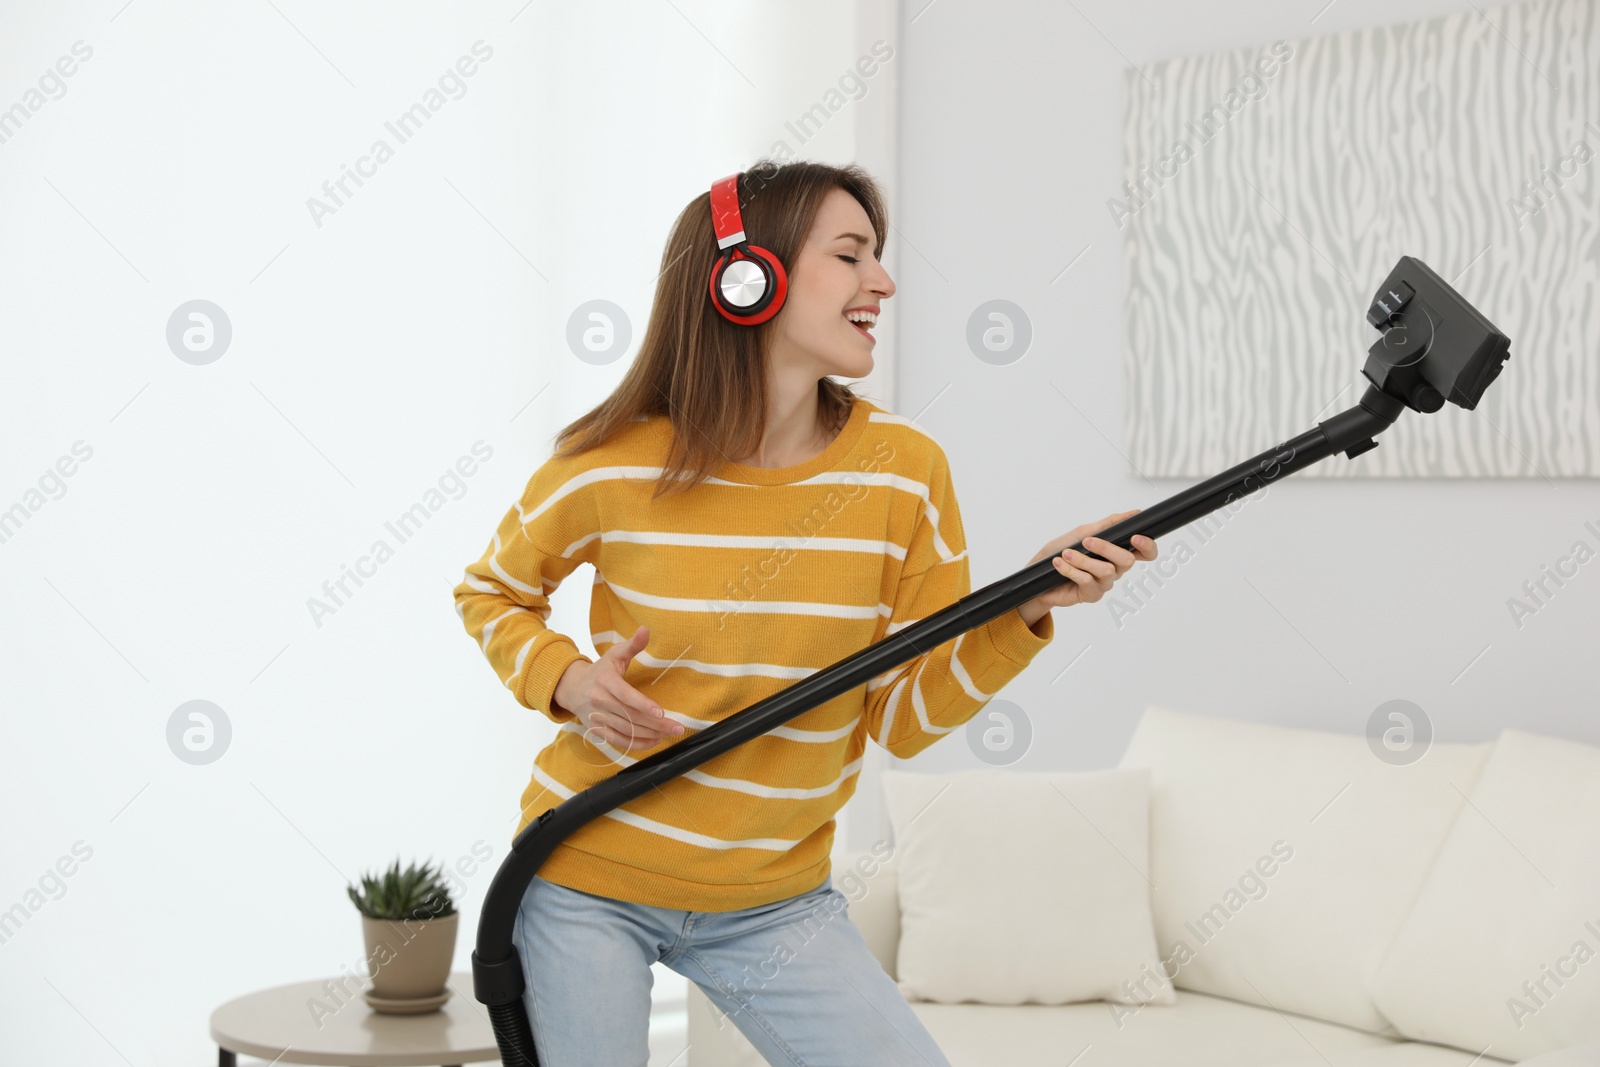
<point>1433,346</point>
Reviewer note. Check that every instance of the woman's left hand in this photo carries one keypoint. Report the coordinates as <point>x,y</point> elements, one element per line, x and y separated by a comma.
<point>1090,578</point>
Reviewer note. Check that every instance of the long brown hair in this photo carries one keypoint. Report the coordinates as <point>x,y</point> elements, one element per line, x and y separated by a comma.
<point>707,375</point>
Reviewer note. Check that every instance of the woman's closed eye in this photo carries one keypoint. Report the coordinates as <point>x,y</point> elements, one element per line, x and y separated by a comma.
<point>850,259</point>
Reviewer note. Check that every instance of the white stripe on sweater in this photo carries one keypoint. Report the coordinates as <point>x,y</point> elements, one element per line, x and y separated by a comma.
<point>763,607</point>
<point>488,628</point>
<point>852,478</point>
<point>699,540</point>
<point>688,837</point>
<point>739,785</point>
<point>690,722</point>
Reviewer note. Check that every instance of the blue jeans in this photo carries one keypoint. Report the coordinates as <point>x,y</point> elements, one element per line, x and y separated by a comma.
<point>794,976</point>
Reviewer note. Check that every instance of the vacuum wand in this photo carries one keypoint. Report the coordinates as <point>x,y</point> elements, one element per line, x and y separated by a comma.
<point>1434,346</point>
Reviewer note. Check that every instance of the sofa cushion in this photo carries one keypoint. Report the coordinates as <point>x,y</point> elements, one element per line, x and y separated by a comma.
<point>1574,1056</point>
<point>1503,945</point>
<point>1284,860</point>
<point>1024,888</point>
<point>1400,1054</point>
<point>1196,1031</point>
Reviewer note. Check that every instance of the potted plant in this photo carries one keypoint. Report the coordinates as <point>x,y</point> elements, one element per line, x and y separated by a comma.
<point>409,924</point>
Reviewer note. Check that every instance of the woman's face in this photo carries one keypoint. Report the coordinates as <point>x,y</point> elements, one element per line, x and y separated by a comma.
<point>837,271</point>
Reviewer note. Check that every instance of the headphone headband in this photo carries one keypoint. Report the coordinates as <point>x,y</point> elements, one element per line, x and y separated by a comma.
<point>725,211</point>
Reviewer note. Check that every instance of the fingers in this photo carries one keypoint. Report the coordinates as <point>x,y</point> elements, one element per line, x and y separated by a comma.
<point>1089,588</point>
<point>1115,553</point>
<point>1097,568</point>
<point>1095,574</point>
<point>1145,546</point>
<point>1120,556</point>
<point>635,715</point>
<point>1083,533</point>
<point>621,732</point>
<point>623,653</point>
<point>621,715</point>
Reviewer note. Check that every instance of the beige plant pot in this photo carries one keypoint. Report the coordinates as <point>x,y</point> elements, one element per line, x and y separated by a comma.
<point>410,958</point>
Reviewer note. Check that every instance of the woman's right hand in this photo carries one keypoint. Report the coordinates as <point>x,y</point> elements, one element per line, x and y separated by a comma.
<point>607,705</point>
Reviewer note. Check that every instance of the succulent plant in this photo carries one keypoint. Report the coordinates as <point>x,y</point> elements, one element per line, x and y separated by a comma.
<point>416,893</point>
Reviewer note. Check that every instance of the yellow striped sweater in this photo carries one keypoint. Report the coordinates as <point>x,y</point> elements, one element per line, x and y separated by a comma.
<point>748,582</point>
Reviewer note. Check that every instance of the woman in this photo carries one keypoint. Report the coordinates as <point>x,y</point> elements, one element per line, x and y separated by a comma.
<point>750,521</point>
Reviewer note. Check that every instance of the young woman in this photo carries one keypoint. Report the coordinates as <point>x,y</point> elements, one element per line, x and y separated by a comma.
<point>750,521</point>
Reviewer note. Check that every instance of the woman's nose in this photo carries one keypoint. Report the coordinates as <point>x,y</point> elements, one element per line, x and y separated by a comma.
<point>883,285</point>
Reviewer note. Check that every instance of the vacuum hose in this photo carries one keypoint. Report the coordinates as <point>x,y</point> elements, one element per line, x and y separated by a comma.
<point>1459,365</point>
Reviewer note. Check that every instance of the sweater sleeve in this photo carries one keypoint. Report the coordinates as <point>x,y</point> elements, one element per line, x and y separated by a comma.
<point>504,598</point>
<point>912,706</point>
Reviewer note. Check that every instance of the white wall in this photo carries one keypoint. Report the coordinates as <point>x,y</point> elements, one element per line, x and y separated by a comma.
<point>1315,603</point>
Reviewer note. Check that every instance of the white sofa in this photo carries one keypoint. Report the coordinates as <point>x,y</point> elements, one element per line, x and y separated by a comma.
<point>1425,901</point>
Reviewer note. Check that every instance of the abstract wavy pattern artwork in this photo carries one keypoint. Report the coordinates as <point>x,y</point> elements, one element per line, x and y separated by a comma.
<point>1270,190</point>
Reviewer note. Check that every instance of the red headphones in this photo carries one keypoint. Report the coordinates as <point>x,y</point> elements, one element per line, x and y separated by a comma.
<point>748,283</point>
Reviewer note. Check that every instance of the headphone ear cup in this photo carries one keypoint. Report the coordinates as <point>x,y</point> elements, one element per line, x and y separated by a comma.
<point>780,277</point>
<point>774,285</point>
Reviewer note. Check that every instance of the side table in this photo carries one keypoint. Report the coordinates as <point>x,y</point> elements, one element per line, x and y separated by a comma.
<point>282,1025</point>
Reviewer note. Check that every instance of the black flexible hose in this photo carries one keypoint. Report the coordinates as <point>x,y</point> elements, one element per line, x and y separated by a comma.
<point>498,980</point>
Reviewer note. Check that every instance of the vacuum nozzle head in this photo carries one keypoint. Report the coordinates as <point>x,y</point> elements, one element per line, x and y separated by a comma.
<point>1434,345</point>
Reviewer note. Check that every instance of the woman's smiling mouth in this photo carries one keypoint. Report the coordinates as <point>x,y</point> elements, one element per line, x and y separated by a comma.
<point>863,319</point>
